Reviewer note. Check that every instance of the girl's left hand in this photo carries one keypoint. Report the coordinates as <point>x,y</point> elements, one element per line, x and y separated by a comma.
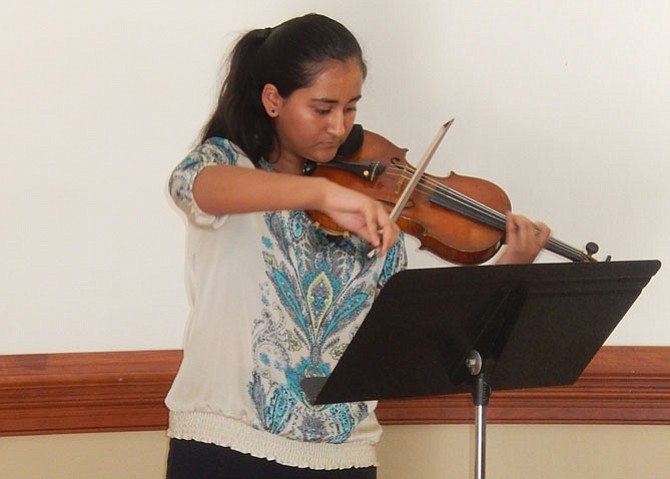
<point>524,240</point>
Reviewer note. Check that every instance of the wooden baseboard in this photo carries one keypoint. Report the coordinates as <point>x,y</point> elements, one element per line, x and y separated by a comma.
<point>124,391</point>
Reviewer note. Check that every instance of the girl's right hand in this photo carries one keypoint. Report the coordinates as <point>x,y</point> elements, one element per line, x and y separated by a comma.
<point>360,215</point>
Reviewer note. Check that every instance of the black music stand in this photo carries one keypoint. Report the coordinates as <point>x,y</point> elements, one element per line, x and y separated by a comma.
<point>482,328</point>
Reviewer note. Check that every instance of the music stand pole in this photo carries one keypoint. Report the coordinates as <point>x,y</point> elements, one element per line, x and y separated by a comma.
<point>480,397</point>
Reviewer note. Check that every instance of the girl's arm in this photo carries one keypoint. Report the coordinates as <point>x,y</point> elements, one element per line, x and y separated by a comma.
<point>224,189</point>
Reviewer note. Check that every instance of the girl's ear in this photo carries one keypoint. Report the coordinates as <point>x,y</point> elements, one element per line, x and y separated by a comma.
<point>272,100</point>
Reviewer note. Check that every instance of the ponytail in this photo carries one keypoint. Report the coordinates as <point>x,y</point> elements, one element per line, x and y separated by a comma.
<point>239,115</point>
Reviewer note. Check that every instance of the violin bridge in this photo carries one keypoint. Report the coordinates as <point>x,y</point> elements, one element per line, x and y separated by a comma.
<point>402,181</point>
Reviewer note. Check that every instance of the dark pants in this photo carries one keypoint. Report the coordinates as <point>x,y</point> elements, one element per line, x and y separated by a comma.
<point>197,460</point>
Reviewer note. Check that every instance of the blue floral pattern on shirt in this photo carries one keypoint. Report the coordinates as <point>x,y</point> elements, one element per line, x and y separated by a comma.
<point>316,295</point>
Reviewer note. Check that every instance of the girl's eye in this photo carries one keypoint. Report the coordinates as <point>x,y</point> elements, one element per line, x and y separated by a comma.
<point>324,112</point>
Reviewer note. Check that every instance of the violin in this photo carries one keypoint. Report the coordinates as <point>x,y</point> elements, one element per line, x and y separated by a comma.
<point>460,219</point>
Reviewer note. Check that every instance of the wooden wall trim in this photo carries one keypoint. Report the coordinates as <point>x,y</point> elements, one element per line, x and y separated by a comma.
<point>124,391</point>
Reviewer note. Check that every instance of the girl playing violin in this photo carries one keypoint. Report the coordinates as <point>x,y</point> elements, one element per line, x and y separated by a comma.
<point>273,299</point>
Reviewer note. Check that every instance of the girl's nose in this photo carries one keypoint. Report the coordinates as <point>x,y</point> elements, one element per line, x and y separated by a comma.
<point>336,126</point>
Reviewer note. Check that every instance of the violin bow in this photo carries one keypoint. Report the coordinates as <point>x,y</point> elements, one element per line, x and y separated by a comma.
<point>416,177</point>
<point>420,170</point>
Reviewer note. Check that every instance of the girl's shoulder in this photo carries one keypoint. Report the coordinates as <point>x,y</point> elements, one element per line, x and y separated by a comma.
<point>218,150</point>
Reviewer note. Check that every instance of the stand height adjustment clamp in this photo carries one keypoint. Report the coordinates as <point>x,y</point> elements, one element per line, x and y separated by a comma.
<point>474,363</point>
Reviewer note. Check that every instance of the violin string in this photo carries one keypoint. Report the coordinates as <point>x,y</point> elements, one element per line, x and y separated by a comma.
<point>461,203</point>
<point>477,211</point>
<point>480,212</point>
<point>487,215</point>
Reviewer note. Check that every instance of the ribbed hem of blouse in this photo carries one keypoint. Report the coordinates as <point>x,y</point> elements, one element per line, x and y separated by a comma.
<point>227,432</point>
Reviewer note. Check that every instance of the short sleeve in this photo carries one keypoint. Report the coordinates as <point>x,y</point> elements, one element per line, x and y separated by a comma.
<point>214,151</point>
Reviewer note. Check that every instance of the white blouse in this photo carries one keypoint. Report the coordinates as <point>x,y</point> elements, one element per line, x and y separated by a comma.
<point>273,300</point>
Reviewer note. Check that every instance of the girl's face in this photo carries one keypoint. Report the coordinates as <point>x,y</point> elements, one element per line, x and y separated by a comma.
<point>314,121</point>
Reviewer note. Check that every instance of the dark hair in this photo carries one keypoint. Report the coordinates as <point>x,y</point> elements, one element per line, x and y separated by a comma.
<point>288,56</point>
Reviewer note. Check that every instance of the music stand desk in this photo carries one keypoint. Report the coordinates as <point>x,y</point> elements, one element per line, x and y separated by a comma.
<point>482,328</point>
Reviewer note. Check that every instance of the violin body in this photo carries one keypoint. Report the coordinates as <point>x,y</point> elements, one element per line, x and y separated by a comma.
<point>380,170</point>
<point>461,219</point>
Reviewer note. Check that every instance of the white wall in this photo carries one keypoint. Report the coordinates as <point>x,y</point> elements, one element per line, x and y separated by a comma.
<point>563,104</point>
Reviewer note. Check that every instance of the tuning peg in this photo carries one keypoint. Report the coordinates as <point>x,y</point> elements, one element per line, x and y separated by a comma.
<point>591,248</point>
